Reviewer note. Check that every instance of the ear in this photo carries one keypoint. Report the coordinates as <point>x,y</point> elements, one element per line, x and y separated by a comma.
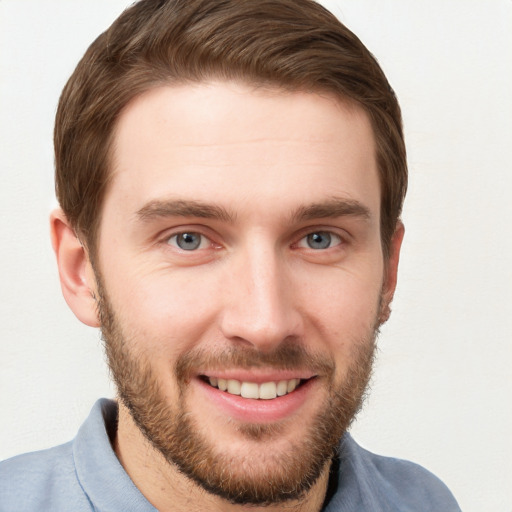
<point>391,271</point>
<point>75,271</point>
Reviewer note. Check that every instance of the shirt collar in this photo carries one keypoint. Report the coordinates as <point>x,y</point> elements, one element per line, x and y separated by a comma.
<point>101,475</point>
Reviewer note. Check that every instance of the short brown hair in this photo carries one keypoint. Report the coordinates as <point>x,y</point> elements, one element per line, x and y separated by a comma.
<point>290,44</point>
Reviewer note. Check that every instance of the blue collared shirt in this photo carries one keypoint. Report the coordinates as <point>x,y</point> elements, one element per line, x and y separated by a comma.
<point>85,475</point>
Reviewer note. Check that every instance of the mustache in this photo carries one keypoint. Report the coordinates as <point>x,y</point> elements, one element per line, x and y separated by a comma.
<point>287,356</point>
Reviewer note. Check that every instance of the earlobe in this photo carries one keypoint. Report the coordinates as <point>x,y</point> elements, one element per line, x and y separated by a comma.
<point>391,271</point>
<point>75,271</point>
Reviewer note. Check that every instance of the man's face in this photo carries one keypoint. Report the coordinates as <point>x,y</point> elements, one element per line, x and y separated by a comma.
<point>240,247</point>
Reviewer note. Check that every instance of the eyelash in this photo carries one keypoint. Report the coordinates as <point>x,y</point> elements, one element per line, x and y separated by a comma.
<point>303,242</point>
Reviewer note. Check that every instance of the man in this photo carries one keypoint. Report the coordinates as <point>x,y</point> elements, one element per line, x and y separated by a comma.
<point>231,176</point>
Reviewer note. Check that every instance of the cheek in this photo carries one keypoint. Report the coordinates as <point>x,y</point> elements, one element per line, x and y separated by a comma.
<point>162,312</point>
<point>343,307</point>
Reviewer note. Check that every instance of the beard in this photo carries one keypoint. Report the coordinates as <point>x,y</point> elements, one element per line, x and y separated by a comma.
<point>258,476</point>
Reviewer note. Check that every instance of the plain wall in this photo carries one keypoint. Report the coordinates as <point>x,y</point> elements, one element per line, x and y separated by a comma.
<point>442,390</point>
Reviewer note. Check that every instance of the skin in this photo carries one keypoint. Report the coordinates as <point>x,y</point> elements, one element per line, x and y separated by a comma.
<point>261,158</point>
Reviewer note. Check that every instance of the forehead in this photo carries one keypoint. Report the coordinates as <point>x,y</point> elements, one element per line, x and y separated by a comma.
<point>238,144</point>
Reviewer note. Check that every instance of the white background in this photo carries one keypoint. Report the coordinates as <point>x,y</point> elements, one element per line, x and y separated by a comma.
<point>442,392</point>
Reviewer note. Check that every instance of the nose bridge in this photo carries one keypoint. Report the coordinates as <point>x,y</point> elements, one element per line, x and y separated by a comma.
<point>260,310</point>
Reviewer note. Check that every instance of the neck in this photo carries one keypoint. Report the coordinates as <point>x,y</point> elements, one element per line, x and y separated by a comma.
<point>167,489</point>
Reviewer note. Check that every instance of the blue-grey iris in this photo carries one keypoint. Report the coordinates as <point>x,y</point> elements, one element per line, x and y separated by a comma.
<point>188,241</point>
<point>319,240</point>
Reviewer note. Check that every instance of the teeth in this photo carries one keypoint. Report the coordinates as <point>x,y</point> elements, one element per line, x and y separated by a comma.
<point>264,391</point>
<point>292,384</point>
<point>268,390</point>
<point>249,390</point>
<point>234,387</point>
<point>282,388</point>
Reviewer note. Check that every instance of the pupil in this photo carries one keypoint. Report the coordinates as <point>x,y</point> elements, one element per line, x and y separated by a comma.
<point>188,241</point>
<point>319,240</point>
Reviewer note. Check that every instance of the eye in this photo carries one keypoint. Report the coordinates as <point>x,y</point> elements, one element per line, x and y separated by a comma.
<point>320,240</point>
<point>188,241</point>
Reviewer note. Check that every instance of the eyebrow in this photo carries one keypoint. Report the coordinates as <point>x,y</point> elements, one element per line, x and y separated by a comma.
<point>333,208</point>
<point>183,208</point>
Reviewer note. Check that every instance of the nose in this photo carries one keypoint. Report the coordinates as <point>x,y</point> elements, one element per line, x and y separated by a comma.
<point>260,307</point>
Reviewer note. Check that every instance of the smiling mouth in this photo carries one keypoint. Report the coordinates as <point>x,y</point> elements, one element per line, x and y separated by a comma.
<point>263,391</point>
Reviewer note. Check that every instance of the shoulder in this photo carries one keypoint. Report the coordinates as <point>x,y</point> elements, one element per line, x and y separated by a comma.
<point>43,480</point>
<point>387,483</point>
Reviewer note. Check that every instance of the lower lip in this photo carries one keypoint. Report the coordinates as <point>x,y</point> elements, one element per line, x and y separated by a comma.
<point>258,411</point>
